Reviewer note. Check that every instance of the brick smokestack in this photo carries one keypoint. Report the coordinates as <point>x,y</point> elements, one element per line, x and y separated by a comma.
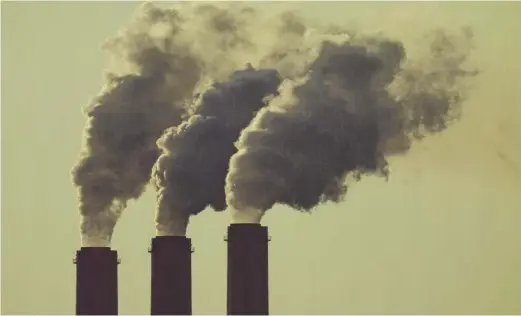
<point>171,291</point>
<point>96,281</point>
<point>247,270</point>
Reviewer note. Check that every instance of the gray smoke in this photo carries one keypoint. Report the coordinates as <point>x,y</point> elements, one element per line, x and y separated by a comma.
<point>190,174</point>
<point>359,103</point>
<point>159,61</point>
<point>164,58</point>
<point>119,151</point>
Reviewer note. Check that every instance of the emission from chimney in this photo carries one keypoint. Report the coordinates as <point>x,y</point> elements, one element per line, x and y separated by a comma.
<point>96,281</point>
<point>171,290</point>
<point>247,269</point>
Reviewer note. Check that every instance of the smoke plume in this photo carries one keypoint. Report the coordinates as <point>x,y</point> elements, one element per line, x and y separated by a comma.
<point>360,102</point>
<point>159,61</point>
<point>343,108</point>
<point>190,174</point>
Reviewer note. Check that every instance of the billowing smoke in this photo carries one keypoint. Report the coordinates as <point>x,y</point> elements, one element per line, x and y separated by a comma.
<point>159,61</point>
<point>359,103</point>
<point>343,109</point>
<point>191,172</point>
<point>123,125</point>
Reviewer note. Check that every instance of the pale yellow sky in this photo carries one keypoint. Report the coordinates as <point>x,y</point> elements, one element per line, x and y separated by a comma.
<point>442,236</point>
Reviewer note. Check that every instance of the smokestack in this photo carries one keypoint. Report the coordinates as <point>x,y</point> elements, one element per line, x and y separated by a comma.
<point>247,269</point>
<point>171,291</point>
<point>96,281</point>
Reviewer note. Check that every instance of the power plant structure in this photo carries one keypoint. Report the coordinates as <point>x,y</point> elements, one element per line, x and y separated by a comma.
<point>171,275</point>
<point>247,288</point>
<point>96,281</point>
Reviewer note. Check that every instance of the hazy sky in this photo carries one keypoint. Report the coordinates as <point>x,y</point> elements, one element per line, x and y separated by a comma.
<point>442,236</point>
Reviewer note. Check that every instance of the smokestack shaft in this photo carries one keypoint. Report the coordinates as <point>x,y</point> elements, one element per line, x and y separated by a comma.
<point>247,270</point>
<point>171,290</point>
<point>96,281</point>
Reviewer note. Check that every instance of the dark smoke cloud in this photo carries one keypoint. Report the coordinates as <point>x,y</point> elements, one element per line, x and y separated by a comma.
<point>356,106</point>
<point>123,126</point>
<point>190,174</point>
<point>159,59</point>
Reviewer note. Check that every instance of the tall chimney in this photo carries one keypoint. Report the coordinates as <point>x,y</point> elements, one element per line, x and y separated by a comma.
<point>247,270</point>
<point>171,291</point>
<point>96,281</point>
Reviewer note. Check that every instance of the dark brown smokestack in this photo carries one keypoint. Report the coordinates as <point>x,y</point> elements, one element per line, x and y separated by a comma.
<point>96,281</point>
<point>171,276</point>
<point>247,269</point>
